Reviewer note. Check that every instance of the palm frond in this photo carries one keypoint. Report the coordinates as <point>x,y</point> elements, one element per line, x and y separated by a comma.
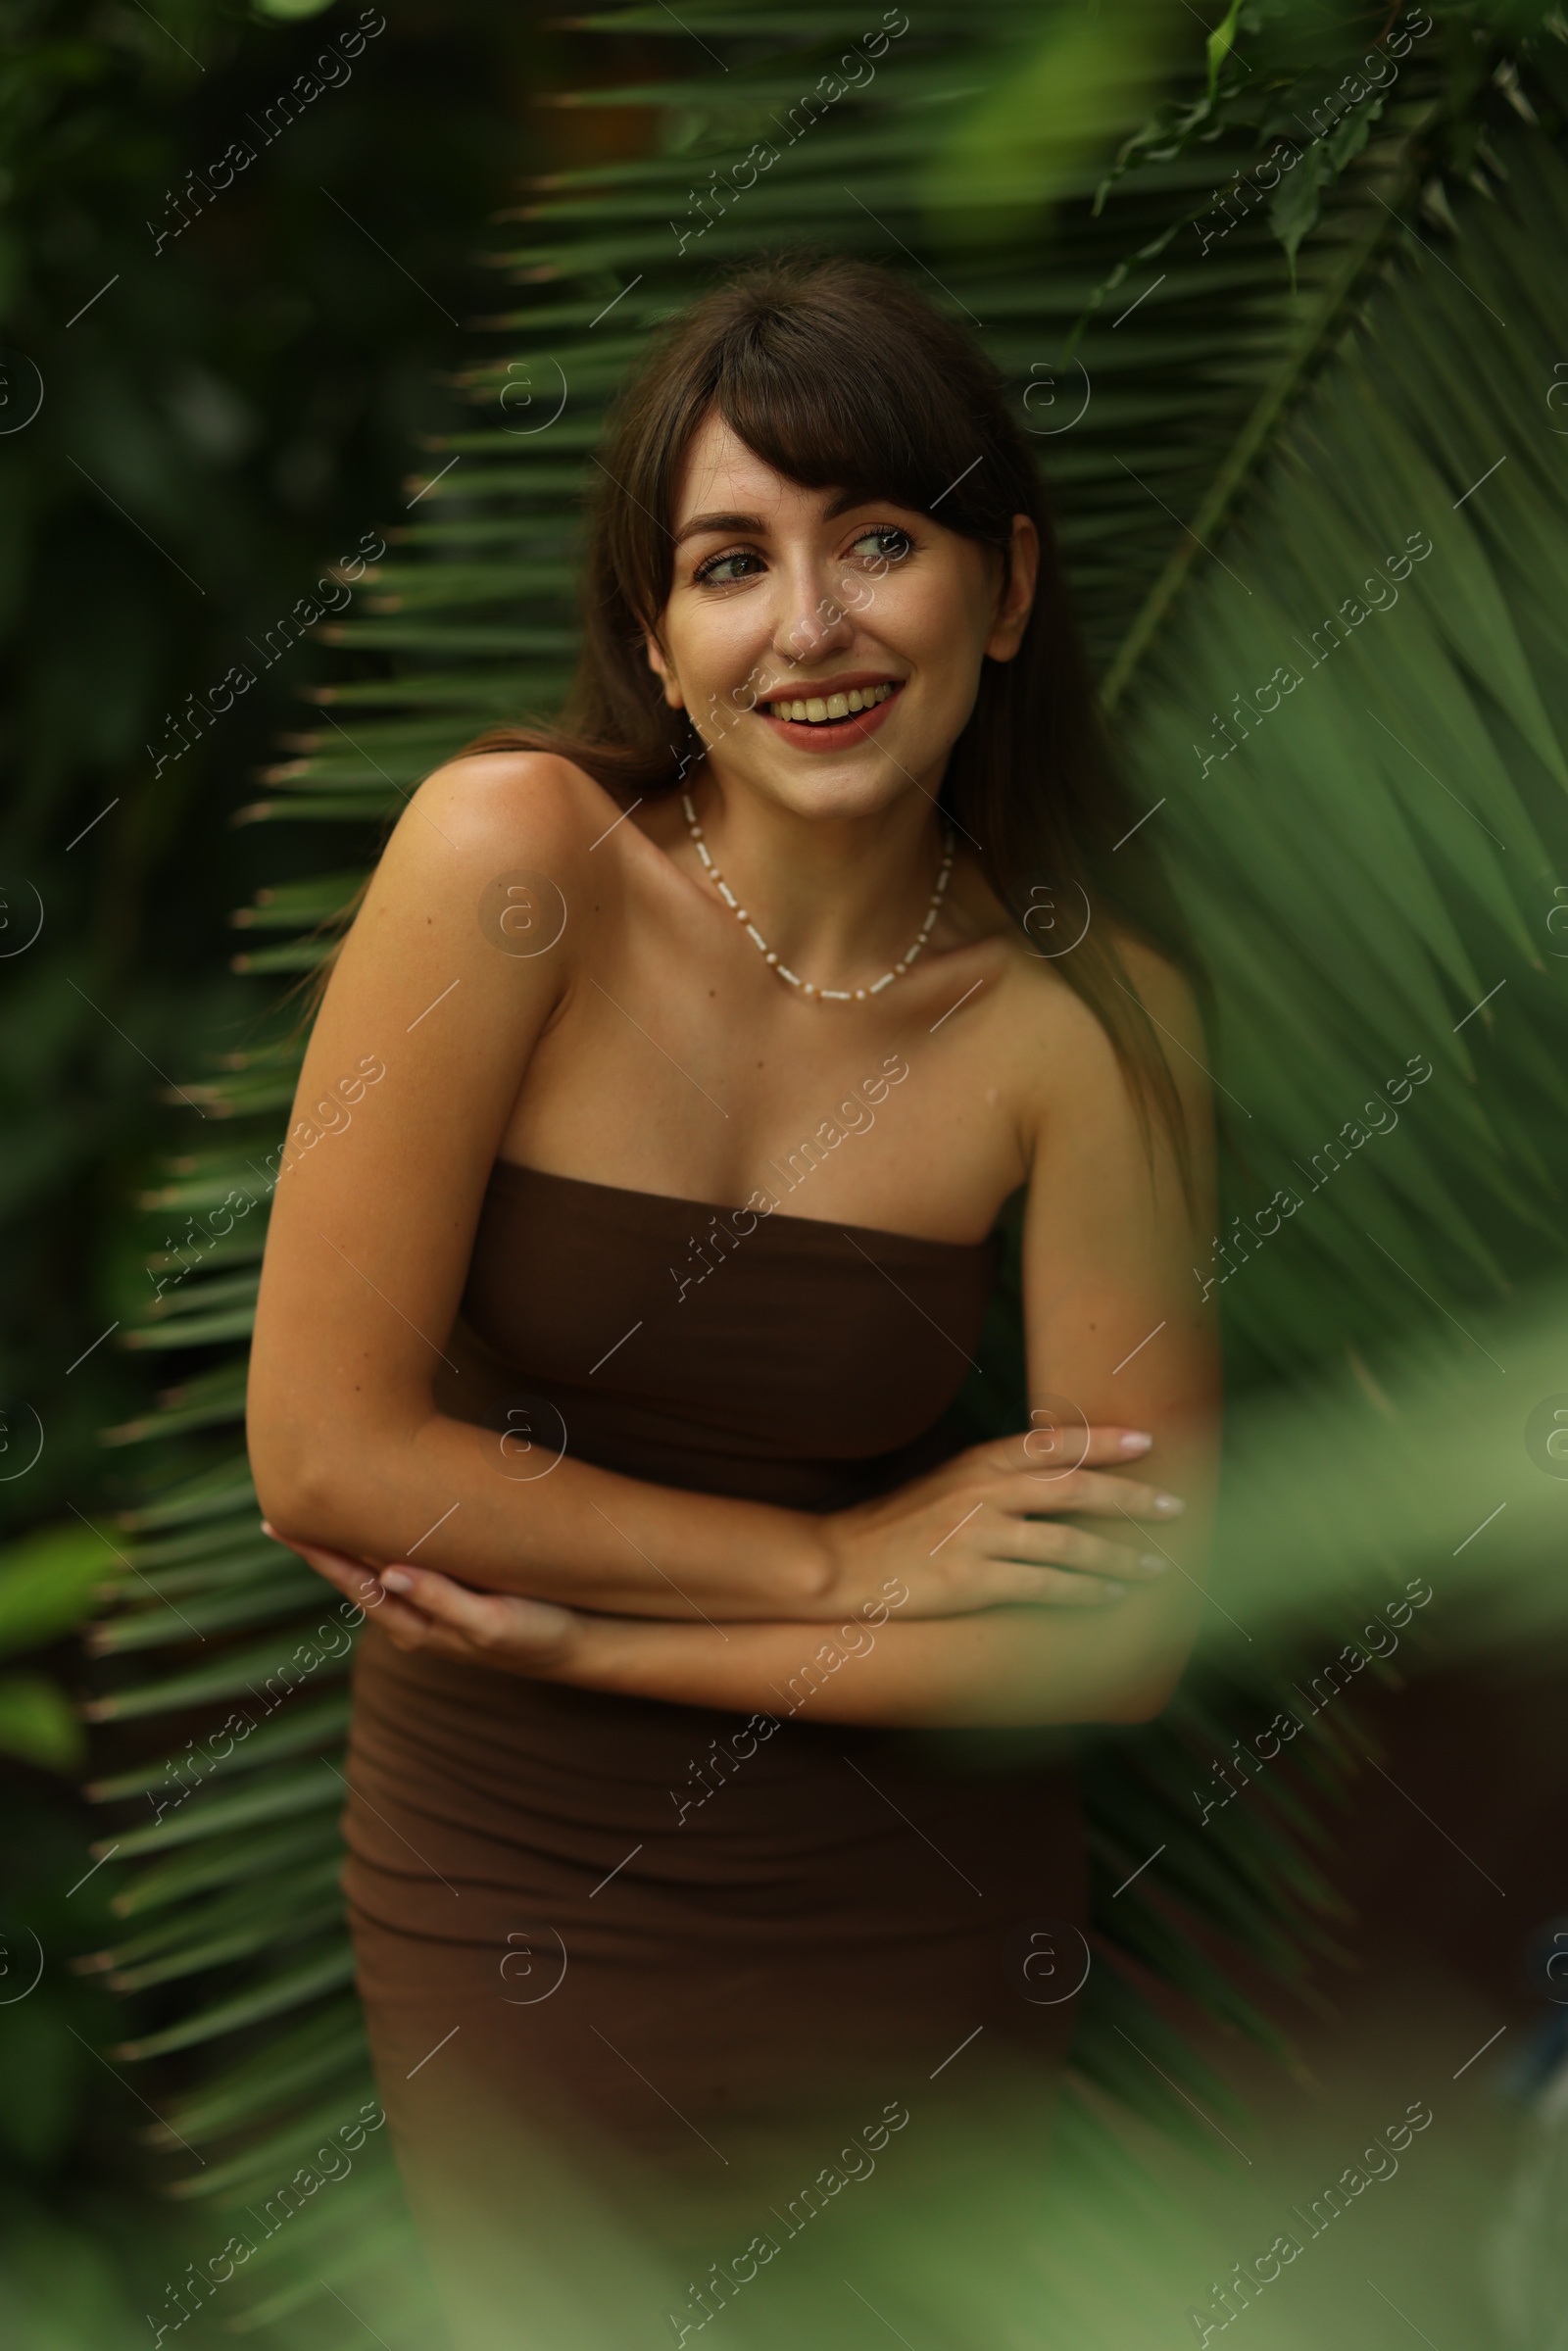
<point>1233,446</point>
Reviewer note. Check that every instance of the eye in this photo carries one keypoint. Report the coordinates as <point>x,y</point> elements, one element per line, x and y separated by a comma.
<point>727,570</point>
<point>884,541</point>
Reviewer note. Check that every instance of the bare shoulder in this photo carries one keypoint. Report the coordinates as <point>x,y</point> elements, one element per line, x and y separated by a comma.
<point>1073,1091</point>
<point>491,852</point>
<point>1046,1011</point>
<point>506,808</point>
<point>1165,993</point>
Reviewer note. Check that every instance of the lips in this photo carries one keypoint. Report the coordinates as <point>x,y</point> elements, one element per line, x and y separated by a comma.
<point>822,725</point>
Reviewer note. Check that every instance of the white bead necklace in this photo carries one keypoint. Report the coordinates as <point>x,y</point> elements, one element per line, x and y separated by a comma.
<point>839,996</point>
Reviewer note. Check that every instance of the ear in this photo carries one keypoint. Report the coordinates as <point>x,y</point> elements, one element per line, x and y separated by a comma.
<point>1015,600</point>
<point>659,664</point>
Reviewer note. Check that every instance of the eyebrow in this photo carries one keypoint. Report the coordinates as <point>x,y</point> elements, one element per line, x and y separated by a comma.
<point>699,523</point>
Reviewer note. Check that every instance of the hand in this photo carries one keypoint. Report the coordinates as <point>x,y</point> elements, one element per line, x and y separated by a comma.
<point>420,1610</point>
<point>985,1530</point>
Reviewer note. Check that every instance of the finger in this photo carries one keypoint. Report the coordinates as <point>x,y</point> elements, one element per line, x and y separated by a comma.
<point>1056,1448</point>
<point>1103,1494</point>
<point>1090,1491</point>
<point>404,1627</point>
<point>351,1576</point>
<point>1049,1541</point>
<point>1060,1588</point>
<point>419,1633</point>
<point>1069,1444</point>
<point>491,1620</point>
<point>407,1627</point>
<point>410,1628</point>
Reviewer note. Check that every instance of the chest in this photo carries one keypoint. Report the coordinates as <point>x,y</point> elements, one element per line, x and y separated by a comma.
<point>696,1075</point>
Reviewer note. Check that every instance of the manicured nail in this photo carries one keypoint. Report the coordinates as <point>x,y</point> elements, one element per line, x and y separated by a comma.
<point>1135,1440</point>
<point>1153,1564</point>
<point>397,1579</point>
<point>1168,1504</point>
<point>1113,1589</point>
<point>269,1530</point>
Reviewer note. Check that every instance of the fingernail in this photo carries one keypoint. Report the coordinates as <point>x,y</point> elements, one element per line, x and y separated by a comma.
<point>1153,1564</point>
<point>268,1528</point>
<point>1112,1590</point>
<point>1168,1504</point>
<point>396,1578</point>
<point>1135,1440</point>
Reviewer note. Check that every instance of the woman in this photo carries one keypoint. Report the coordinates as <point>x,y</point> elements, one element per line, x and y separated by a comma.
<point>710,1795</point>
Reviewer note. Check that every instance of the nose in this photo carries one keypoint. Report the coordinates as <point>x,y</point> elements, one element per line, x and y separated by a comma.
<point>813,621</point>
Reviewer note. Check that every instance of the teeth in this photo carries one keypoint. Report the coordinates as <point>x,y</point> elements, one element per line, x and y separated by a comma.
<point>819,712</point>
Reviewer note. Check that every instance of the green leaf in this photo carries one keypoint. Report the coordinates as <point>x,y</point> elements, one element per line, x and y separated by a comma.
<point>38,1723</point>
<point>326,1971</point>
<point>1219,45</point>
<point>48,1583</point>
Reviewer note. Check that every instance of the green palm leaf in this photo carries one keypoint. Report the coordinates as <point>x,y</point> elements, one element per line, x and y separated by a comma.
<point>1233,446</point>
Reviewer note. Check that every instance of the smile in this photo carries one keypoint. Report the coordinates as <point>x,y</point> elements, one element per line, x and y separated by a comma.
<point>826,721</point>
<point>819,712</point>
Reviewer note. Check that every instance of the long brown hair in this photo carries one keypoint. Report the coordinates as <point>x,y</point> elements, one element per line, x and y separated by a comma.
<point>841,377</point>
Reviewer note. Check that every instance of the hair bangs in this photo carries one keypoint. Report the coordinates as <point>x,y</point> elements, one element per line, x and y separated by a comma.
<point>832,402</point>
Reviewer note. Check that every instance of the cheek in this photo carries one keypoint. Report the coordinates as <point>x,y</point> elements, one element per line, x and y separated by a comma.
<point>938,625</point>
<point>722,653</point>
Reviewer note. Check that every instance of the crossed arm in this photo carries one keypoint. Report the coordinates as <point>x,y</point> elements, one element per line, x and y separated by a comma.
<point>1017,1615</point>
<point>1024,1665</point>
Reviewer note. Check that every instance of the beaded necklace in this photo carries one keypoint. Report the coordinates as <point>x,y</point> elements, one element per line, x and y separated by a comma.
<point>841,995</point>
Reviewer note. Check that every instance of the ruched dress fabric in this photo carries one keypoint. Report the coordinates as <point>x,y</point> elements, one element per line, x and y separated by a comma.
<point>650,1986</point>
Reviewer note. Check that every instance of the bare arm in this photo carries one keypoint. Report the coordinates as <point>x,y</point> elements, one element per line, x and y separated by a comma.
<point>373,1226</point>
<point>1113,1321</point>
<point>1000,1666</point>
<point>371,1232</point>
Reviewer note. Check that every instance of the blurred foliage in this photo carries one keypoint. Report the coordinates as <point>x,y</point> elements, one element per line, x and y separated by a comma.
<point>49,1583</point>
<point>1232,386</point>
<point>1195,407</point>
<point>222,413</point>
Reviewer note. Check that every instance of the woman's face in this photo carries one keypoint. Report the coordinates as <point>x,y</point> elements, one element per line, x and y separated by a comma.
<point>828,652</point>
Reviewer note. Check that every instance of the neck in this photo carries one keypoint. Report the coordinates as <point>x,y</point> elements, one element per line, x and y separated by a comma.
<point>838,898</point>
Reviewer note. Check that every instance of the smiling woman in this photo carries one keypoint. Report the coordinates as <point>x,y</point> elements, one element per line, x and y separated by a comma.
<point>830,736</point>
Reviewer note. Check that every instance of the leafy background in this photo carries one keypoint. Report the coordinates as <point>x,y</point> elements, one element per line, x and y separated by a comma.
<point>1245,398</point>
<point>232,413</point>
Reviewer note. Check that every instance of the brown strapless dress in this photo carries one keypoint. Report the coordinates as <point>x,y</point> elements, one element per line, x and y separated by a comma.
<point>648,1986</point>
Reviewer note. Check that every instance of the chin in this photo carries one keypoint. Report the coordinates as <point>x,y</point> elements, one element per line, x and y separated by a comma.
<point>835,790</point>
<point>846,806</point>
